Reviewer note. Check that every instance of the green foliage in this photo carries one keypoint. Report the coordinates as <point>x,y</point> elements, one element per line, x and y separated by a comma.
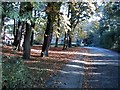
<point>10,9</point>
<point>40,6</point>
<point>81,11</point>
<point>16,73</point>
<point>64,23</point>
<point>107,40</point>
<point>79,31</point>
<point>40,26</point>
<point>109,29</point>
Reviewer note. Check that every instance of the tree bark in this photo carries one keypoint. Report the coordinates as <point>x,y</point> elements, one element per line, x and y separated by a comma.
<point>47,36</point>
<point>70,42</point>
<point>18,35</point>
<point>58,23</point>
<point>32,38</point>
<point>26,7</point>
<point>69,36</point>
<point>56,42</point>
<point>65,46</point>
<point>51,11</point>
<point>32,34</point>
<point>26,45</point>
<point>49,44</point>
<point>14,28</point>
<point>3,27</point>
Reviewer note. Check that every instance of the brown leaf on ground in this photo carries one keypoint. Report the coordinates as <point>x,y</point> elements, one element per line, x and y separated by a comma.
<point>41,68</point>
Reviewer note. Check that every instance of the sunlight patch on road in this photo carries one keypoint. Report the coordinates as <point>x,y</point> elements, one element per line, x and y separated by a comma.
<point>78,61</point>
<point>75,53</point>
<point>90,68</point>
<point>31,61</point>
<point>103,60</point>
<point>39,69</point>
<point>70,72</point>
<point>103,63</point>
<point>93,73</point>
<point>97,62</point>
<point>74,66</point>
<point>68,52</point>
<point>94,80</point>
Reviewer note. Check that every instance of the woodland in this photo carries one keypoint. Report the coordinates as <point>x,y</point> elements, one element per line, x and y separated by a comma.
<point>38,28</point>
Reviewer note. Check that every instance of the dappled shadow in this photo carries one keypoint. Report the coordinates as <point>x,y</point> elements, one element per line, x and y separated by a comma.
<point>98,69</point>
<point>105,72</point>
<point>70,69</point>
<point>68,77</point>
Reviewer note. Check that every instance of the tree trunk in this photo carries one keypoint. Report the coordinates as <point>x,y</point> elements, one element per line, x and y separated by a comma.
<point>3,27</point>
<point>56,42</point>
<point>2,22</point>
<point>58,23</point>
<point>47,37</point>
<point>65,46</point>
<point>32,38</point>
<point>21,38</point>
<point>71,14</point>
<point>70,42</point>
<point>26,45</point>
<point>69,36</point>
<point>69,39</point>
<point>51,12</point>
<point>15,38</point>
<point>14,28</point>
<point>18,35</point>
<point>47,48</point>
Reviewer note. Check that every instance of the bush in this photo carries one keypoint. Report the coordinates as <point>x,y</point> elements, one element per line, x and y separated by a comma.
<point>15,74</point>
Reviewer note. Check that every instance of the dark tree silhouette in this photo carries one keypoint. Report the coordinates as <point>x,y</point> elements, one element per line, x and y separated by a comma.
<point>52,10</point>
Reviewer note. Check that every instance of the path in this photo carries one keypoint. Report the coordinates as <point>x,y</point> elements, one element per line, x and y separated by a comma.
<point>70,76</point>
<point>96,68</point>
<point>104,68</point>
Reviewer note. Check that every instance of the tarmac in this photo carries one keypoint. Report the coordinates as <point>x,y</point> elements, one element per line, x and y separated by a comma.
<point>98,67</point>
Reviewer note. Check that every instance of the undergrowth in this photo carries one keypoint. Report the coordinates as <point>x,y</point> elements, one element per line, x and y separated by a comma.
<point>15,74</point>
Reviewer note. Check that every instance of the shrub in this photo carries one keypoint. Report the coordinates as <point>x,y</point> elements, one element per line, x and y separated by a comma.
<point>15,74</point>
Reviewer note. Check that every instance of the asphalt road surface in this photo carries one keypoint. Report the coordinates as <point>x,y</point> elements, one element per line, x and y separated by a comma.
<point>93,68</point>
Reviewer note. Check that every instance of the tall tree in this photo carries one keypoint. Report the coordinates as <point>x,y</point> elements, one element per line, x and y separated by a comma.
<point>79,11</point>
<point>109,26</point>
<point>52,10</point>
<point>27,10</point>
<point>58,30</point>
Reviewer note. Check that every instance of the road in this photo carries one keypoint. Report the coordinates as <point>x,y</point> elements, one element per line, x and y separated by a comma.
<point>93,68</point>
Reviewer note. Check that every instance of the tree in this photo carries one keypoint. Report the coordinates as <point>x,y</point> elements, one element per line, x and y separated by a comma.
<point>78,12</point>
<point>58,30</point>
<point>27,9</point>
<point>11,11</point>
<point>8,11</point>
<point>52,10</point>
<point>108,32</point>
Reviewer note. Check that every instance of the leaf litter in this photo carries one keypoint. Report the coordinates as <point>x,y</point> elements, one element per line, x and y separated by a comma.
<point>42,68</point>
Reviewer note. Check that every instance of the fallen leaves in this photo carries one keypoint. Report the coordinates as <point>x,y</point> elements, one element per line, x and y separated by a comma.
<point>41,68</point>
<point>86,77</point>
